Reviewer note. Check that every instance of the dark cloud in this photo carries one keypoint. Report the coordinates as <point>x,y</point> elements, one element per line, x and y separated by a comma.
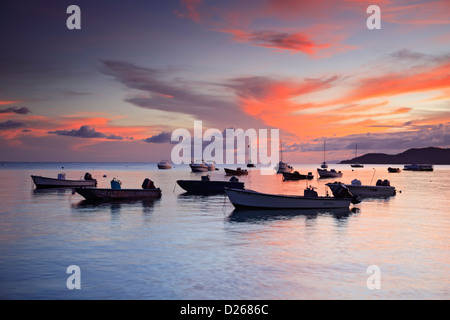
<point>18,110</point>
<point>163,137</point>
<point>10,124</point>
<point>85,132</point>
<point>420,136</point>
<point>178,95</point>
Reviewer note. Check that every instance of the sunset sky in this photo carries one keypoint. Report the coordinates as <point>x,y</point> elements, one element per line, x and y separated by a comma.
<point>137,70</point>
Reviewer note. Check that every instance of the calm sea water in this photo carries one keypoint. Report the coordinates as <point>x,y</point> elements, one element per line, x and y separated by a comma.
<point>197,247</point>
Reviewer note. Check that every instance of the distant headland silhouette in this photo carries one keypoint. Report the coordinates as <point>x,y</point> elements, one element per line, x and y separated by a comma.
<point>430,155</point>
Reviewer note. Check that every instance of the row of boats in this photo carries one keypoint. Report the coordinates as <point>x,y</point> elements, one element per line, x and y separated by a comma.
<point>342,194</point>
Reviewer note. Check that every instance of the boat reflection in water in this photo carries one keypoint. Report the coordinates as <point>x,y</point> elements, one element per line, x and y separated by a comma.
<point>258,215</point>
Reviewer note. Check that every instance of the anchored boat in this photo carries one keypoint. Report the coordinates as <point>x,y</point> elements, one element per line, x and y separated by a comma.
<point>148,191</point>
<point>310,200</point>
<point>382,189</point>
<point>207,186</point>
<point>61,182</point>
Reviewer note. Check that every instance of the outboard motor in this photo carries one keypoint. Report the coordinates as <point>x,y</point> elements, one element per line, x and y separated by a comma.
<point>148,184</point>
<point>379,182</point>
<point>310,192</point>
<point>342,191</point>
<point>88,176</point>
<point>386,183</point>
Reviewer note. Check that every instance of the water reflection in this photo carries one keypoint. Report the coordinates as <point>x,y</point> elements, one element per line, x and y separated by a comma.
<point>115,206</point>
<point>45,192</point>
<point>257,216</point>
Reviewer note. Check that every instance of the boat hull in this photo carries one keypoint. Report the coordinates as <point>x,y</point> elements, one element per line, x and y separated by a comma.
<point>97,194</point>
<point>244,199</point>
<point>328,174</point>
<point>294,176</point>
<point>235,172</point>
<point>206,187</point>
<point>199,168</point>
<point>46,183</point>
<point>418,167</point>
<point>364,191</point>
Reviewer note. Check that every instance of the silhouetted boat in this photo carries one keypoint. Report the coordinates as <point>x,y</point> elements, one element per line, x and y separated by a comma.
<point>324,173</point>
<point>297,176</point>
<point>418,167</point>
<point>205,185</point>
<point>310,200</point>
<point>61,182</point>
<point>382,189</point>
<point>237,172</point>
<point>394,169</point>
<point>356,165</point>
<point>148,191</point>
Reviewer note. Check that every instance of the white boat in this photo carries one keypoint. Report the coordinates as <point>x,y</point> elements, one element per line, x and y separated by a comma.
<point>61,182</point>
<point>325,173</point>
<point>382,189</point>
<point>199,166</point>
<point>418,167</point>
<point>164,164</point>
<point>310,200</point>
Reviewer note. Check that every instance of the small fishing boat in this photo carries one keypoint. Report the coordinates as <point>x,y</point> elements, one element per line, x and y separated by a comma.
<point>297,176</point>
<point>199,166</point>
<point>148,191</point>
<point>61,182</point>
<point>382,189</point>
<point>207,186</point>
<point>393,170</point>
<point>418,167</point>
<point>164,164</point>
<point>324,173</point>
<point>324,165</point>
<point>243,199</point>
<point>237,172</point>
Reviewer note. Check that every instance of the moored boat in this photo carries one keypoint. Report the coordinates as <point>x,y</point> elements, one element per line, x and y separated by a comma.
<point>199,167</point>
<point>418,167</point>
<point>207,186</point>
<point>382,189</point>
<point>284,167</point>
<point>148,191</point>
<point>61,182</point>
<point>164,164</point>
<point>235,172</point>
<point>242,199</point>
<point>393,170</point>
<point>297,176</point>
<point>324,173</point>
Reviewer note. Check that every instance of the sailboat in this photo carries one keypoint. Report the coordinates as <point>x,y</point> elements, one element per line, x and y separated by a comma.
<point>356,165</point>
<point>324,164</point>
<point>250,164</point>
<point>283,166</point>
<point>324,173</point>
